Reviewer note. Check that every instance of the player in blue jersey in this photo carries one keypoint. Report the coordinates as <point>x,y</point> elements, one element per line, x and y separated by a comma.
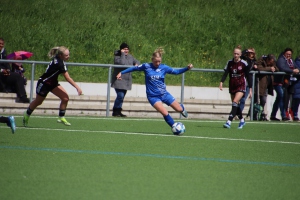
<point>48,82</point>
<point>157,94</point>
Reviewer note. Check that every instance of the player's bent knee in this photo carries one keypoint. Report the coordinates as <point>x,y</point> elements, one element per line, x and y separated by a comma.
<point>65,99</point>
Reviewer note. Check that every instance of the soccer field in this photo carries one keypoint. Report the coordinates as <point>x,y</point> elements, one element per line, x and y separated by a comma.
<point>129,158</point>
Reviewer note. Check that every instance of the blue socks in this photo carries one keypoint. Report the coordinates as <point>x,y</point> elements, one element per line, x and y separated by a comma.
<point>169,120</point>
<point>182,106</point>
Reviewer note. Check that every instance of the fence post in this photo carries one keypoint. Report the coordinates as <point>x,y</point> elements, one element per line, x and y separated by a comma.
<point>108,91</point>
<point>182,91</point>
<point>252,98</point>
<point>32,81</point>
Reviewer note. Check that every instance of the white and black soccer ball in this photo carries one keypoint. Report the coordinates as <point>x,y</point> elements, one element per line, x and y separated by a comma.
<point>178,128</point>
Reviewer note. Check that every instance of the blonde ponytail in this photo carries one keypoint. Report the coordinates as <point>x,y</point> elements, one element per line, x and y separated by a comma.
<point>56,51</point>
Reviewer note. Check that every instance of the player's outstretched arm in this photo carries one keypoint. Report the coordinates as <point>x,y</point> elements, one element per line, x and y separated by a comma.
<point>70,80</point>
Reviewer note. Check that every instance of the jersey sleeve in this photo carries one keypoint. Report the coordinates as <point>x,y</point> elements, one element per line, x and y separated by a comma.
<point>134,68</point>
<point>226,71</point>
<point>170,70</point>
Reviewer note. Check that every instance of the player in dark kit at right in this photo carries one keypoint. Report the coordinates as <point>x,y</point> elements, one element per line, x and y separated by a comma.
<point>238,71</point>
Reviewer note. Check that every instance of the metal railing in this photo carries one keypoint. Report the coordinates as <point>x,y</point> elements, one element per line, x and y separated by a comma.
<point>111,66</point>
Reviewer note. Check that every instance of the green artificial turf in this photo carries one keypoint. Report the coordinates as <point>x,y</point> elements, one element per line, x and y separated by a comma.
<point>117,158</point>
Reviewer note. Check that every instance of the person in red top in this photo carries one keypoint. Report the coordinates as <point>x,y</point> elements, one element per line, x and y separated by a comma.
<point>48,82</point>
<point>238,71</point>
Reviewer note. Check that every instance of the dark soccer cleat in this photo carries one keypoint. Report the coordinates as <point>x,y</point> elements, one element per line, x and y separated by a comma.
<point>184,113</point>
<point>274,119</point>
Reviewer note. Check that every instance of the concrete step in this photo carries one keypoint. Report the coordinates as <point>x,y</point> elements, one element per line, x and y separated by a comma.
<point>132,106</point>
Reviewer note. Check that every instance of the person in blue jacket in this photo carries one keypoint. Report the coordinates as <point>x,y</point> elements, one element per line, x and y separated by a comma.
<point>283,85</point>
<point>156,91</point>
<point>296,94</point>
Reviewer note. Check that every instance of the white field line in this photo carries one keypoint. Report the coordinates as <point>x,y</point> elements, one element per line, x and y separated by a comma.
<point>161,119</point>
<point>162,135</point>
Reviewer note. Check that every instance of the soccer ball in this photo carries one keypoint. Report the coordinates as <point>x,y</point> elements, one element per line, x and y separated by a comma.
<point>178,128</point>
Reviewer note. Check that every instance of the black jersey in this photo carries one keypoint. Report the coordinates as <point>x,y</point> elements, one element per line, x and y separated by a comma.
<point>55,68</point>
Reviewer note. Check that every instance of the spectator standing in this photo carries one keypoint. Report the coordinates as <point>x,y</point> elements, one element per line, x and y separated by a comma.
<point>48,82</point>
<point>122,57</point>
<point>282,84</point>
<point>11,79</point>
<point>249,56</point>
<point>238,71</point>
<point>265,83</point>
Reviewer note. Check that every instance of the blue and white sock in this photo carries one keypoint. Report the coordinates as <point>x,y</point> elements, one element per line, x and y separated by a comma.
<point>169,120</point>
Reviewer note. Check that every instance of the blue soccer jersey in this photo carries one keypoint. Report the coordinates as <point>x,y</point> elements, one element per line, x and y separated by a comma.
<point>155,76</point>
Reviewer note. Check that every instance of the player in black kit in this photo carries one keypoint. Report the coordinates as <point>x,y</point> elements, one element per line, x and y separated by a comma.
<point>48,82</point>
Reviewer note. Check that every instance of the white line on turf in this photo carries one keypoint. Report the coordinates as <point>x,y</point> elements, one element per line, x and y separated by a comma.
<point>162,135</point>
<point>161,119</point>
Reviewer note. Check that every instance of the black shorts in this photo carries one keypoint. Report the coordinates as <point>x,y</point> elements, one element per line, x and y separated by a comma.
<point>43,89</point>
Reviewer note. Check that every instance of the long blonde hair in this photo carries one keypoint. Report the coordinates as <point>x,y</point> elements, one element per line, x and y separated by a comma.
<point>158,53</point>
<point>56,51</point>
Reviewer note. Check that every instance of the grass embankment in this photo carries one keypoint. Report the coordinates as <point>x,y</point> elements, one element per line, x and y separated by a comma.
<point>193,31</point>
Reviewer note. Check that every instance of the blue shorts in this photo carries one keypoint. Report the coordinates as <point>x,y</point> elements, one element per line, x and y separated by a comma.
<point>166,98</point>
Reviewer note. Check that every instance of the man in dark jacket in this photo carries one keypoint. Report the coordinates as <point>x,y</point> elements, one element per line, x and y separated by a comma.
<point>284,64</point>
<point>122,57</point>
<point>11,79</point>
